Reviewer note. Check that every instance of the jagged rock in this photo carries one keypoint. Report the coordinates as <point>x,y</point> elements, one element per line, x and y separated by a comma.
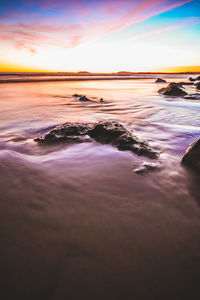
<point>84,99</point>
<point>108,132</point>
<point>198,86</point>
<point>172,90</point>
<point>191,157</point>
<point>160,80</point>
<point>192,96</point>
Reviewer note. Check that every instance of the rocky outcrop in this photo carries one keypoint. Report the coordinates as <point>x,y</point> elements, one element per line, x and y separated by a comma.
<point>173,89</point>
<point>197,78</point>
<point>108,132</point>
<point>191,157</point>
<point>160,80</point>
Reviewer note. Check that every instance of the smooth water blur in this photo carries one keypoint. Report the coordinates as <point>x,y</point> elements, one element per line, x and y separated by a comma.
<point>76,220</point>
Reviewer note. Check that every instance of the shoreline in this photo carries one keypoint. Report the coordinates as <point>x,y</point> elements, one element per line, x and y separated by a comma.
<point>70,79</point>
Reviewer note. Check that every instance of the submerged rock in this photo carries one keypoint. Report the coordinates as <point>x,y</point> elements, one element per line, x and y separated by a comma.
<point>160,80</point>
<point>108,132</point>
<point>147,167</point>
<point>191,157</point>
<point>192,96</point>
<point>84,99</point>
<point>77,95</point>
<point>185,83</point>
<point>173,89</point>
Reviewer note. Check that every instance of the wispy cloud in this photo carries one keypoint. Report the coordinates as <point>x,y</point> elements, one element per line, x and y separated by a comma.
<point>67,30</point>
<point>186,22</point>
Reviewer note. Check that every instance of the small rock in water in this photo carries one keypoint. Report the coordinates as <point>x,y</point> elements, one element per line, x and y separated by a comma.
<point>172,90</point>
<point>147,167</point>
<point>84,99</point>
<point>108,132</point>
<point>197,78</point>
<point>185,83</point>
<point>101,100</point>
<point>192,96</point>
<point>192,79</point>
<point>77,95</point>
<point>198,86</point>
<point>191,157</point>
<point>160,80</point>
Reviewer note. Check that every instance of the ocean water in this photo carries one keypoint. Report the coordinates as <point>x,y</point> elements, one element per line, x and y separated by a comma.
<point>76,221</point>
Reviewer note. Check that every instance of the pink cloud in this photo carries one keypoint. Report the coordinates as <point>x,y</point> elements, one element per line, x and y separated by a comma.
<point>62,33</point>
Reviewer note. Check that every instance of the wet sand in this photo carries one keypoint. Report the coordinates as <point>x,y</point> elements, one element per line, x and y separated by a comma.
<point>76,221</point>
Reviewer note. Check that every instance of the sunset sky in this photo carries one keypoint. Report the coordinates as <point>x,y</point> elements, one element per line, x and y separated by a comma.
<point>100,36</point>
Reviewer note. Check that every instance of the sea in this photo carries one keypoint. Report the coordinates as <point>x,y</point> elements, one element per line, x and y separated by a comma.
<point>78,221</point>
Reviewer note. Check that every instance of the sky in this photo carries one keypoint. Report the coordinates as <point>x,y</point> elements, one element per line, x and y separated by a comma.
<point>100,36</point>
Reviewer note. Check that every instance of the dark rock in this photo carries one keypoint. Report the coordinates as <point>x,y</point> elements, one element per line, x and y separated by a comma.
<point>108,132</point>
<point>192,79</point>
<point>69,132</point>
<point>197,78</point>
<point>180,84</point>
<point>84,99</point>
<point>172,90</point>
<point>191,157</point>
<point>198,86</point>
<point>77,95</point>
<point>147,167</point>
<point>192,96</point>
<point>185,83</point>
<point>101,100</point>
<point>160,80</point>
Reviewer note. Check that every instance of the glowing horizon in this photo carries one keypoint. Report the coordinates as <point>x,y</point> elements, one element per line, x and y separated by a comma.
<point>101,36</point>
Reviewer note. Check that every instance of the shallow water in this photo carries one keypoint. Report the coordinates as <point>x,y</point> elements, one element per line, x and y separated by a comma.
<point>76,220</point>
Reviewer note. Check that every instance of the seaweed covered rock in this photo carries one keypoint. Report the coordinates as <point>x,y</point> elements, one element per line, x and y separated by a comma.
<point>172,89</point>
<point>191,157</point>
<point>108,132</point>
<point>160,80</point>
